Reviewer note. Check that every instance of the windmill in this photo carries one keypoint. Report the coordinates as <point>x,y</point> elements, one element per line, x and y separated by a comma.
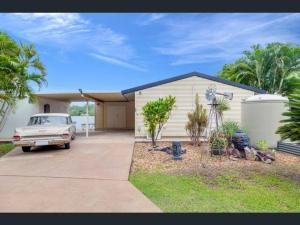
<point>213,116</point>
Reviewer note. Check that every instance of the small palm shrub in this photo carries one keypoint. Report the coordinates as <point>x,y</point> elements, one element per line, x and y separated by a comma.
<point>197,122</point>
<point>222,106</point>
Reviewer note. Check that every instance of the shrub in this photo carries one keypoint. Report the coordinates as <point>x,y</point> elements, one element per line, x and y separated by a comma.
<point>197,122</point>
<point>156,114</point>
<point>262,145</point>
<point>219,142</point>
<point>222,106</point>
<point>291,127</point>
<point>229,128</point>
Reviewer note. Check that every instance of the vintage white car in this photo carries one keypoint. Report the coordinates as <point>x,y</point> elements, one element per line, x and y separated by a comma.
<point>45,129</point>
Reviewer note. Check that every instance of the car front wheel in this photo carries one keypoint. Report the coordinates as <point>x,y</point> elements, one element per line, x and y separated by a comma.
<point>26,148</point>
<point>67,146</point>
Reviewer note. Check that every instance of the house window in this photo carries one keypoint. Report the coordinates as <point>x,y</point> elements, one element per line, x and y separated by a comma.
<point>46,108</point>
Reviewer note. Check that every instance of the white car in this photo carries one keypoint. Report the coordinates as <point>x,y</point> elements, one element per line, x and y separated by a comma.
<point>45,129</point>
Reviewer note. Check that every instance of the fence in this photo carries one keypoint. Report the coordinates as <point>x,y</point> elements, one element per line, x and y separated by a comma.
<point>289,148</point>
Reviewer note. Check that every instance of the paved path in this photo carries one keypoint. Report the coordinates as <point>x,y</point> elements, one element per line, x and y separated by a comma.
<point>90,177</point>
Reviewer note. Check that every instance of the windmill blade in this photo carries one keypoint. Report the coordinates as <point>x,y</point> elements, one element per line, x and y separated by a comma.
<point>210,94</point>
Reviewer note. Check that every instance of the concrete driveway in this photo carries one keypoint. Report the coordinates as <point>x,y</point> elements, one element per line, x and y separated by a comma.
<point>92,176</point>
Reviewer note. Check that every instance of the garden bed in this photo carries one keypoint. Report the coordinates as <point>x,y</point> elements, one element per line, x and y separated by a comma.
<point>197,160</point>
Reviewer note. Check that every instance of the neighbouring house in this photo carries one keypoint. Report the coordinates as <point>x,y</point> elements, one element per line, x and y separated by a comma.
<point>123,109</point>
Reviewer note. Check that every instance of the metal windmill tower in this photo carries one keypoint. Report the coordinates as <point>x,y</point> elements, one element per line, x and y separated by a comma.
<point>214,119</point>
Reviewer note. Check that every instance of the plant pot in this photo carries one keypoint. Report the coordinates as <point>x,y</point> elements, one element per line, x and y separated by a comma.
<point>217,151</point>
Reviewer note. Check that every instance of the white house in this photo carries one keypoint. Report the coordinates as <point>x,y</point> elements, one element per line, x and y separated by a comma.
<point>122,109</point>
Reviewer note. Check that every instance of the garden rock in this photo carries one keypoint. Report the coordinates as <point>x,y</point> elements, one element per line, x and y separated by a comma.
<point>270,154</point>
<point>262,156</point>
<point>169,150</point>
<point>250,153</point>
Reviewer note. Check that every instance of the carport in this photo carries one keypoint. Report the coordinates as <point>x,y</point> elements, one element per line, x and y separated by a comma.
<point>112,109</point>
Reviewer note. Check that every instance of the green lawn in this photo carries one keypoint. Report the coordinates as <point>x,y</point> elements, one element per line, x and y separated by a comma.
<point>5,148</point>
<point>182,193</point>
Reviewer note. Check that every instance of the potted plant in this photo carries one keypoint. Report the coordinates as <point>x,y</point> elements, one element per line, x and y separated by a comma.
<point>218,143</point>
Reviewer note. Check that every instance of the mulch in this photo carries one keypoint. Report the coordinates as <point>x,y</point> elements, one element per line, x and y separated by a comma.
<point>197,160</point>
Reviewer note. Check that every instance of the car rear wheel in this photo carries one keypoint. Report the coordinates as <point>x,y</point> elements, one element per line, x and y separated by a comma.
<point>26,148</point>
<point>67,146</point>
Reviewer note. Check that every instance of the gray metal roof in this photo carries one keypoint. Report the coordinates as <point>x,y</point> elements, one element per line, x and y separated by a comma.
<point>180,77</point>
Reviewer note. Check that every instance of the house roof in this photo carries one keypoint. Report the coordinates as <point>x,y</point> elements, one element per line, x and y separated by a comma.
<point>180,77</point>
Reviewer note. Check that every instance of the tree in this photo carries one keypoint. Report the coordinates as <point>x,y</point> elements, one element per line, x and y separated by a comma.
<point>31,69</point>
<point>156,114</point>
<point>268,68</point>
<point>197,121</point>
<point>8,67</point>
<point>20,66</point>
<point>77,110</point>
<point>291,126</point>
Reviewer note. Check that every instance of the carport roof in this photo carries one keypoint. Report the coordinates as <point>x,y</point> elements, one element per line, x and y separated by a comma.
<point>101,96</point>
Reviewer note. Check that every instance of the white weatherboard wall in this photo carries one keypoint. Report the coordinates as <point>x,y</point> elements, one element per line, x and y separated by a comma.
<point>185,90</point>
<point>18,117</point>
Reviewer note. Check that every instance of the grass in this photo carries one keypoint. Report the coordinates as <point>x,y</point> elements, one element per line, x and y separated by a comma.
<point>226,193</point>
<point>5,148</point>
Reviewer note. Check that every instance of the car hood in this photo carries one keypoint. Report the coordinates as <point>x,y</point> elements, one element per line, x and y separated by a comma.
<point>42,130</point>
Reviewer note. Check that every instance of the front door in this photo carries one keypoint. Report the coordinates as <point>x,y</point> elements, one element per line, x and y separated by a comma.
<point>116,116</point>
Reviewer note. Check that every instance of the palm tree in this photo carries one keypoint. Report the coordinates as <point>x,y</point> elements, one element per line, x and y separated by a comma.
<point>267,68</point>
<point>8,67</point>
<point>19,67</point>
<point>31,69</point>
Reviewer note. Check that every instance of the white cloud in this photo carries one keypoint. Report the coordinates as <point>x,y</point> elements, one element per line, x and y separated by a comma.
<point>69,32</point>
<point>222,37</point>
<point>117,62</point>
<point>52,28</point>
<point>151,18</point>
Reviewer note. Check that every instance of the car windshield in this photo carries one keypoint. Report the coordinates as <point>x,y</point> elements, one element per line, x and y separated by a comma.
<point>43,120</point>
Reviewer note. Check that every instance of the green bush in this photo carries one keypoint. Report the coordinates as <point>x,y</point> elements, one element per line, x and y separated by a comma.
<point>262,144</point>
<point>229,128</point>
<point>156,114</point>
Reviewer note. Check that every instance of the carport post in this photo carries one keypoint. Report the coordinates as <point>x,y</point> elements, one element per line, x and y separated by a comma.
<point>87,119</point>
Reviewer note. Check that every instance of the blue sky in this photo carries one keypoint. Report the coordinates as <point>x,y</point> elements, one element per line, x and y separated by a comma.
<point>115,51</point>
